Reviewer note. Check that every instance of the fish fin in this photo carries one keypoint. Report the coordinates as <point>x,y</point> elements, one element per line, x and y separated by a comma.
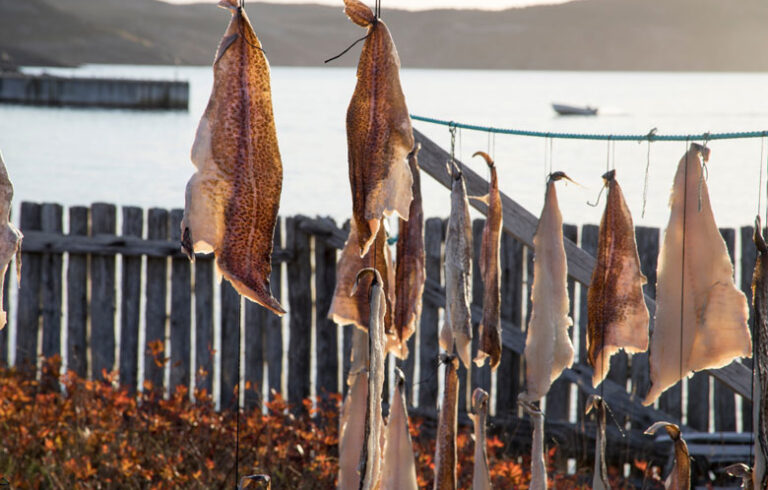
<point>186,244</point>
<point>485,199</point>
<point>358,12</point>
<point>485,156</point>
<point>225,44</point>
<point>229,4</point>
<point>666,425</point>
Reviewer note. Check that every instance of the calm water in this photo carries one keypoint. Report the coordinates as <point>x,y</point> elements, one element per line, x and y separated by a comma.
<point>77,156</point>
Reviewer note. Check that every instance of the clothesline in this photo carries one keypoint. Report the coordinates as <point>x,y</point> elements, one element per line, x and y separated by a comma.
<point>651,136</point>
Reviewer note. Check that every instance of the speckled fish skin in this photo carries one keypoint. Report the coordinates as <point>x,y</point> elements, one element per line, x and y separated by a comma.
<point>10,236</point>
<point>233,198</point>
<point>618,316</point>
<point>706,305</point>
<point>410,273</point>
<point>600,478</point>
<point>760,361</point>
<point>445,445</point>
<point>490,269</point>
<point>379,132</point>
<point>548,348</point>
<point>457,326</point>
<point>481,476</point>
<point>538,465</point>
<point>680,477</point>
<point>398,469</point>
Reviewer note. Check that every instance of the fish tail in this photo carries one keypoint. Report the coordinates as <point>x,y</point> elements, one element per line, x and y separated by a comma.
<point>358,12</point>
<point>229,4</point>
<point>485,156</point>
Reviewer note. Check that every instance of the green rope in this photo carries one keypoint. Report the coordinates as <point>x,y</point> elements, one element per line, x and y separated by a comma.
<point>651,136</point>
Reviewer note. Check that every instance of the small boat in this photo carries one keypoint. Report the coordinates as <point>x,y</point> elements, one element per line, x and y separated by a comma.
<point>569,110</point>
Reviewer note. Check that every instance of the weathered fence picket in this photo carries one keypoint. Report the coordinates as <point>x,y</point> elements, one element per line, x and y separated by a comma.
<point>181,310</point>
<point>102,338</point>
<point>133,225</point>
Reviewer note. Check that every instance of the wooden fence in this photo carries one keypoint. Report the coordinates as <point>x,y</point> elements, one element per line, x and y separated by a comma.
<point>103,300</point>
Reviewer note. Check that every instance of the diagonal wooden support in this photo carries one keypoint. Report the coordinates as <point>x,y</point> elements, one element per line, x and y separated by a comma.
<point>521,224</point>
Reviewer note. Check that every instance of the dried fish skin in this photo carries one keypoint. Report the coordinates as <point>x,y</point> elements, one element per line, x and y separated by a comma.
<point>680,477</point>
<point>760,361</point>
<point>10,236</point>
<point>538,465</point>
<point>457,326</point>
<point>398,468</point>
<point>410,272</point>
<point>232,200</point>
<point>445,445</point>
<point>740,470</point>
<point>481,477</point>
<point>600,479</point>
<point>548,348</point>
<point>618,316</point>
<point>379,132</point>
<point>352,429</point>
<point>695,289</point>
<point>490,269</point>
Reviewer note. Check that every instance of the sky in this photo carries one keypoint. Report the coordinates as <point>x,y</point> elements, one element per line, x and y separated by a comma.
<point>421,4</point>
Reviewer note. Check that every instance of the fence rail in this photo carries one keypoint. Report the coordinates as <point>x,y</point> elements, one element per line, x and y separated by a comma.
<point>105,300</point>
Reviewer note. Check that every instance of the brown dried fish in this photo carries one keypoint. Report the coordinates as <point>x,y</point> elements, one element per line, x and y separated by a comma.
<point>481,477</point>
<point>490,269</point>
<point>760,400</point>
<point>680,477</point>
<point>445,446</point>
<point>538,465</point>
<point>379,133</point>
<point>10,236</point>
<point>410,274</point>
<point>398,468</point>
<point>457,326</point>
<point>600,478</point>
<point>233,198</point>
<point>618,317</point>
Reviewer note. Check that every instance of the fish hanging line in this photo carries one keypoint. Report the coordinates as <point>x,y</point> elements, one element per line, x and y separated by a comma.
<point>376,17</point>
<point>241,10</point>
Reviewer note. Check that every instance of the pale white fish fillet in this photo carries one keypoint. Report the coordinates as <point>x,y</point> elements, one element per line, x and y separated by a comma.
<point>713,323</point>
<point>538,465</point>
<point>10,236</point>
<point>600,478</point>
<point>352,423</point>
<point>481,476</point>
<point>548,347</point>
<point>457,326</point>
<point>398,468</point>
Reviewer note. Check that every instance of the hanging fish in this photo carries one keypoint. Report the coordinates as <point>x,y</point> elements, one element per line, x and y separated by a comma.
<point>740,470</point>
<point>548,348</point>
<point>410,274</point>
<point>538,465</point>
<point>490,269</point>
<point>352,424</point>
<point>600,479</point>
<point>398,468</point>
<point>680,477</point>
<point>618,317</point>
<point>457,326</point>
<point>233,198</point>
<point>481,477</point>
<point>379,133</point>
<point>760,380</point>
<point>370,457</point>
<point>10,236</point>
<point>705,311</point>
<point>445,445</point>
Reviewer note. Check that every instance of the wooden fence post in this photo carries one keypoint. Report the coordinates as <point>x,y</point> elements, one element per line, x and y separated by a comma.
<point>51,284</point>
<point>28,316</point>
<point>133,225</point>
<point>725,399</point>
<point>428,362</point>
<point>300,305</point>
<point>648,250</point>
<point>204,324</point>
<point>103,222</point>
<point>508,373</point>
<point>181,310</point>
<point>77,296</point>
<point>326,331</point>
<point>4,332</point>
<point>747,264</point>
<point>156,317</point>
<point>274,324</point>
<point>230,343</point>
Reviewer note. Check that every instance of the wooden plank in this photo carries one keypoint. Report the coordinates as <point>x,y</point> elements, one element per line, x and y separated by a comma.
<point>103,221</point>
<point>255,320</point>
<point>508,372</point>
<point>204,324</point>
<point>326,331</point>
<point>133,225</point>
<point>274,324</point>
<point>230,345</point>
<point>7,305</point>
<point>481,376</point>
<point>698,401</point>
<point>77,296</point>
<point>51,293</point>
<point>181,311</point>
<point>724,400</point>
<point>589,238</point>
<point>748,257</point>
<point>300,306</point>
<point>428,361</point>
<point>28,316</point>
<point>348,332</point>
<point>155,313</point>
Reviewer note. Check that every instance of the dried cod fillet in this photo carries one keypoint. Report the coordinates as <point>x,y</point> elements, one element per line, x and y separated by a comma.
<point>10,236</point>
<point>445,445</point>
<point>481,477</point>
<point>760,362</point>
<point>548,348</point>
<point>379,133</point>
<point>352,424</point>
<point>705,311</point>
<point>538,465</point>
<point>457,326</point>
<point>398,468</point>
<point>600,478</point>
<point>680,477</point>
<point>618,317</point>
<point>490,269</point>
<point>233,198</point>
<point>410,273</point>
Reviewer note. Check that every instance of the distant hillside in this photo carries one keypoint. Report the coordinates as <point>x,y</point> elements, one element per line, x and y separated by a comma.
<point>706,35</point>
